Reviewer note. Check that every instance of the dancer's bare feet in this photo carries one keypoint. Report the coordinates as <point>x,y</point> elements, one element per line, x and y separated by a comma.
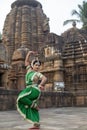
<point>34,128</point>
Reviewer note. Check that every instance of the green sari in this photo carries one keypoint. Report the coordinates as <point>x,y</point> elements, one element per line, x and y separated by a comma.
<point>28,98</point>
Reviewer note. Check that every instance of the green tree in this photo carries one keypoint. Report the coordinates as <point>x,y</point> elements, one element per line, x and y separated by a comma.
<point>81,14</point>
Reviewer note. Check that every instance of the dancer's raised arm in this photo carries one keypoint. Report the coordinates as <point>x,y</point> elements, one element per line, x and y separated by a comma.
<point>27,59</point>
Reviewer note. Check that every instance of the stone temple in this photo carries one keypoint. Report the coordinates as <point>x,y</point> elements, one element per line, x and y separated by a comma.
<point>63,58</point>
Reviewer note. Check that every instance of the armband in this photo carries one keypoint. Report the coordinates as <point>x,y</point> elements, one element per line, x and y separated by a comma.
<point>28,67</point>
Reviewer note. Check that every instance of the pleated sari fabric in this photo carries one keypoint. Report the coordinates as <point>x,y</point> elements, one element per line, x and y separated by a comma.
<point>28,98</point>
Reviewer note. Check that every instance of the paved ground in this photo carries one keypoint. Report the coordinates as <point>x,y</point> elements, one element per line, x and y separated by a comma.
<point>51,119</point>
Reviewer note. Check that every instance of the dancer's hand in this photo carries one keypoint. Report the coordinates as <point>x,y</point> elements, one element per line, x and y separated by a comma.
<point>32,52</point>
<point>41,87</point>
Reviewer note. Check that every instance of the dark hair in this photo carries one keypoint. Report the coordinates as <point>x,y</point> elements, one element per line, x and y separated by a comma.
<point>35,61</point>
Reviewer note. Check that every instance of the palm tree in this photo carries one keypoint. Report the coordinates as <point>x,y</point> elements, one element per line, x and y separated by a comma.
<point>82,15</point>
<point>73,21</point>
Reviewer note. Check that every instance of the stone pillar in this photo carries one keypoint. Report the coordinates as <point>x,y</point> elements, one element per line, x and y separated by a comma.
<point>21,81</point>
<point>18,28</point>
<point>26,26</point>
<point>58,75</point>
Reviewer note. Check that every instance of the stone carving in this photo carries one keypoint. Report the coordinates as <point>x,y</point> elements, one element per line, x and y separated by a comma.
<point>64,58</point>
<point>74,59</point>
<point>46,25</point>
<point>26,26</point>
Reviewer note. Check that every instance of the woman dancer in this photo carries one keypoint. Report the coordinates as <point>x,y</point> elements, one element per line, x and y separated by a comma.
<point>27,101</point>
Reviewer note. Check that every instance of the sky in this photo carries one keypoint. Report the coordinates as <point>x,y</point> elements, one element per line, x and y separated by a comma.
<point>57,12</point>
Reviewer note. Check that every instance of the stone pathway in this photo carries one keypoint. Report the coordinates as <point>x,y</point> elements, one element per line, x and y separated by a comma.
<point>67,118</point>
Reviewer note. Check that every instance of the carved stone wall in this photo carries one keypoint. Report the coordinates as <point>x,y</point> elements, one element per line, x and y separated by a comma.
<point>26,24</point>
<point>74,60</point>
<point>47,99</point>
<point>26,28</point>
<point>4,66</point>
<point>64,58</point>
<point>52,67</point>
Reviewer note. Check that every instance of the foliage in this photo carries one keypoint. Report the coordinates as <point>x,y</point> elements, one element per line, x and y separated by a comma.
<point>81,14</point>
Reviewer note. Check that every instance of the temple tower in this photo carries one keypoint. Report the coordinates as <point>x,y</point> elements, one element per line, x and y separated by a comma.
<point>74,60</point>
<point>26,24</point>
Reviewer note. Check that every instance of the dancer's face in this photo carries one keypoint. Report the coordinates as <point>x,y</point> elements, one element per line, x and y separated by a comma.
<point>36,67</point>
